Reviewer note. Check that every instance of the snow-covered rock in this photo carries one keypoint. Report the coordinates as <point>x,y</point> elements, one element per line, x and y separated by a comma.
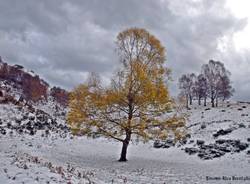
<point>20,119</point>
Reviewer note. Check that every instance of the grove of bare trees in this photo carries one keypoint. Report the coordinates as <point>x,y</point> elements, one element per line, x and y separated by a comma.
<point>212,83</point>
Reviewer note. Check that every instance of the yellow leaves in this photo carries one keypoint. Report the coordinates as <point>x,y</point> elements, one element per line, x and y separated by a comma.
<point>163,135</point>
<point>137,99</point>
<point>138,44</point>
<point>180,134</point>
<point>133,32</point>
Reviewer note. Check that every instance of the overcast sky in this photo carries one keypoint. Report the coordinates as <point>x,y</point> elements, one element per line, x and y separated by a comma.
<point>63,40</point>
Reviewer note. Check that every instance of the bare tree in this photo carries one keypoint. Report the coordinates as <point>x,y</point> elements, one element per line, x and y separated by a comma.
<point>217,79</point>
<point>201,88</point>
<point>226,90</point>
<point>193,80</point>
<point>184,85</point>
<point>187,87</point>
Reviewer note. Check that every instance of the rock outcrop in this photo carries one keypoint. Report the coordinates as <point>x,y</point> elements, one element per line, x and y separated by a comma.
<point>60,95</point>
<point>217,149</point>
<point>30,86</point>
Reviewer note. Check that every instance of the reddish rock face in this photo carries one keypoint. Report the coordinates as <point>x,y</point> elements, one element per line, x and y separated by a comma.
<point>32,86</point>
<point>60,95</point>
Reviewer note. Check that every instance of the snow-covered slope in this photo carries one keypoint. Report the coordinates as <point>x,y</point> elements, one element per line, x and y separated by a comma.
<point>55,159</point>
<point>219,131</point>
<point>26,119</point>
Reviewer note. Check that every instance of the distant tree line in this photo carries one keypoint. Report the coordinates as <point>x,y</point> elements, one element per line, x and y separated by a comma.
<point>212,83</point>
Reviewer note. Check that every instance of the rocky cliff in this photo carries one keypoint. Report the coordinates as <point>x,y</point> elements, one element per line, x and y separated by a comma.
<point>30,85</point>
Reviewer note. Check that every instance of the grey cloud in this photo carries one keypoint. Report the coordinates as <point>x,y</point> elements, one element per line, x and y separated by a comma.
<point>63,40</point>
<point>21,16</point>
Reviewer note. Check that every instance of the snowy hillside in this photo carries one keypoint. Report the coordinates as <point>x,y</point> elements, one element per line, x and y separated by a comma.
<point>28,158</point>
<point>220,131</point>
<point>23,119</point>
<point>215,132</point>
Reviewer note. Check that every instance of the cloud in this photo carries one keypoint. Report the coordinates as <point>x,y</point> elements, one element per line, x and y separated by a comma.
<point>63,40</point>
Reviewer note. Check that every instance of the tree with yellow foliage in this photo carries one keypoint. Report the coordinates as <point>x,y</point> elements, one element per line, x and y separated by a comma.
<point>137,100</point>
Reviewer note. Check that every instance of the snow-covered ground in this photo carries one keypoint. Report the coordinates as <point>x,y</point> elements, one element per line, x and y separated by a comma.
<point>36,159</point>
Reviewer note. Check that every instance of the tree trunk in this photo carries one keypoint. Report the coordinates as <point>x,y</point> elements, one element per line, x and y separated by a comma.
<point>190,100</point>
<point>126,141</point>
<point>216,103</point>
<point>205,101</point>
<point>187,101</point>
<point>212,101</point>
<point>199,100</point>
<point>123,157</point>
<point>125,144</point>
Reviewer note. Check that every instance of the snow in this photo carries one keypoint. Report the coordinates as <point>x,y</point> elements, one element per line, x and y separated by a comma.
<point>30,72</point>
<point>14,92</point>
<point>98,160</point>
<point>37,159</point>
<point>51,107</point>
<point>220,118</point>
